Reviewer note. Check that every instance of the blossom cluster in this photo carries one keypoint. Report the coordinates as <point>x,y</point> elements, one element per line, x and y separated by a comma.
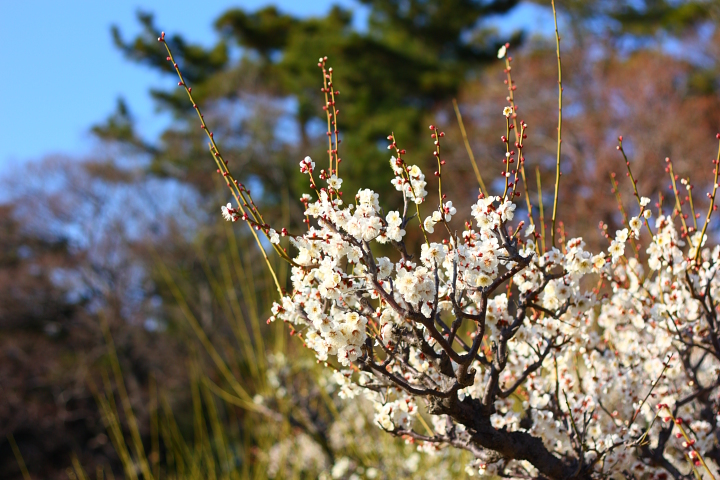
<point>541,361</point>
<point>578,359</point>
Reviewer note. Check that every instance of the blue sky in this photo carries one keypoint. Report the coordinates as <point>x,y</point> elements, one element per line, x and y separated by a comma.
<point>61,72</point>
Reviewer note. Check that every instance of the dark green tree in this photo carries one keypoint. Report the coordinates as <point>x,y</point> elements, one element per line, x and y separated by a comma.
<point>410,60</point>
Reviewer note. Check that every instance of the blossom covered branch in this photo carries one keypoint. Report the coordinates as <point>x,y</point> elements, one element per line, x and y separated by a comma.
<point>560,363</point>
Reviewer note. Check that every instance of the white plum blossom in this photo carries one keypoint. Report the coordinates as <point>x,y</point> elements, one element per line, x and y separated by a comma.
<point>448,211</point>
<point>432,254</point>
<point>334,182</point>
<point>621,236</point>
<point>307,165</point>
<point>409,180</point>
<point>617,249</point>
<point>393,219</point>
<point>228,212</point>
<point>506,211</point>
<point>429,224</point>
<point>273,236</point>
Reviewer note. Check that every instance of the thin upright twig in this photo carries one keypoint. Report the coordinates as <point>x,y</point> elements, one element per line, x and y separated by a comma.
<point>236,191</point>
<point>542,210</point>
<point>712,204</point>
<point>559,128</point>
<point>483,190</point>
<point>634,182</point>
<point>18,457</point>
<point>518,139</point>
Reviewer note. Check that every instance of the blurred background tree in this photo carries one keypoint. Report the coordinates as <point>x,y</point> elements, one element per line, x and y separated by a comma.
<point>134,236</point>
<point>410,60</point>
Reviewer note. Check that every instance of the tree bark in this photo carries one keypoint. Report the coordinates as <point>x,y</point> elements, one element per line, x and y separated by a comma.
<point>511,445</point>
